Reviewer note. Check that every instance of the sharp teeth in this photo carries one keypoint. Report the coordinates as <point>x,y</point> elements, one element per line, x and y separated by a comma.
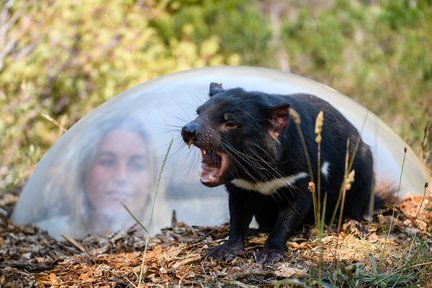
<point>204,152</point>
<point>189,144</point>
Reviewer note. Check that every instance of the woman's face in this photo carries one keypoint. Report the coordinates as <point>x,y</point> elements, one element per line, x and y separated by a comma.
<point>120,173</point>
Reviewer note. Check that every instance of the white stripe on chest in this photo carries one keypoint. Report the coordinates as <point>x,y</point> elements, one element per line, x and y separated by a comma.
<point>269,187</point>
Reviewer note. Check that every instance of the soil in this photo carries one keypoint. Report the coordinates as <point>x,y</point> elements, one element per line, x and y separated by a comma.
<point>29,257</point>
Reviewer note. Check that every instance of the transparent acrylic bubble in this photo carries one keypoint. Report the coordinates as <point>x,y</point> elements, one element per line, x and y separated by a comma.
<point>115,153</point>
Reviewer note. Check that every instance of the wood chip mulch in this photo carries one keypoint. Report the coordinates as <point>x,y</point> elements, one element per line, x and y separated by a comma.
<point>176,256</point>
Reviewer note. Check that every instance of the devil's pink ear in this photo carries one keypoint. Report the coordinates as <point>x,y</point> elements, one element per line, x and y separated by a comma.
<point>215,88</point>
<point>279,117</point>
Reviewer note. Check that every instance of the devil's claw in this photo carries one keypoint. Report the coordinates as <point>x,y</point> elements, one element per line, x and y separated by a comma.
<point>226,251</point>
<point>269,255</point>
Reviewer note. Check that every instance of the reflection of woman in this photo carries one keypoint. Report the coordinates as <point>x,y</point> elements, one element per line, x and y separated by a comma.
<point>107,166</point>
<point>119,171</point>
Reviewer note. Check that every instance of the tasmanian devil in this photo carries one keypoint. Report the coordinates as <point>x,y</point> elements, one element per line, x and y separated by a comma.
<point>251,142</point>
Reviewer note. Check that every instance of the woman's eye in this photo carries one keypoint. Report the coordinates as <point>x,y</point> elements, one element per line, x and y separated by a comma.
<point>137,166</point>
<point>106,162</point>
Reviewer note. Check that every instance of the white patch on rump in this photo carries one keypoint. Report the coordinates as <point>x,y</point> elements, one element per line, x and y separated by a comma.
<point>269,187</point>
<point>325,169</point>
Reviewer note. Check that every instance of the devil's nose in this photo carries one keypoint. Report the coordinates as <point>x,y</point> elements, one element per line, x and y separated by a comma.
<point>188,133</point>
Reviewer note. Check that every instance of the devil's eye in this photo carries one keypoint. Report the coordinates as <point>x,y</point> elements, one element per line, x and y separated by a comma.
<point>230,124</point>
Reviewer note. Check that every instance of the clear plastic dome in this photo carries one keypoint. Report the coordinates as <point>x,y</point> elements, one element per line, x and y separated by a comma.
<point>114,155</point>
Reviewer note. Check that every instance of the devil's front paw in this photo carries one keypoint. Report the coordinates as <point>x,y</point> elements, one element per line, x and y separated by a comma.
<point>270,255</point>
<point>226,251</point>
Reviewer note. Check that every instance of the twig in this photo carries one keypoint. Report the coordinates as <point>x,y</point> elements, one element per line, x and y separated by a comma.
<point>133,216</point>
<point>74,243</point>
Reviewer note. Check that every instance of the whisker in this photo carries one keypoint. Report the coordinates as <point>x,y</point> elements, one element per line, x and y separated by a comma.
<point>239,164</point>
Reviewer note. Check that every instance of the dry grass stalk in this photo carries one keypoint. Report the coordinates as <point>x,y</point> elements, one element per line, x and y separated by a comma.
<point>152,210</point>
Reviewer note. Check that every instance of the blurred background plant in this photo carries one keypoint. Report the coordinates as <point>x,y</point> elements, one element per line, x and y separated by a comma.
<point>61,59</point>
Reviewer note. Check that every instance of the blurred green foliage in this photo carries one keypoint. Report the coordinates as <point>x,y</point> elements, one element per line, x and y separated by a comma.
<point>381,55</point>
<point>61,59</point>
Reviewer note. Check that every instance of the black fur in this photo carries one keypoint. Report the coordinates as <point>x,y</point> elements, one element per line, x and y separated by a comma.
<point>260,142</point>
